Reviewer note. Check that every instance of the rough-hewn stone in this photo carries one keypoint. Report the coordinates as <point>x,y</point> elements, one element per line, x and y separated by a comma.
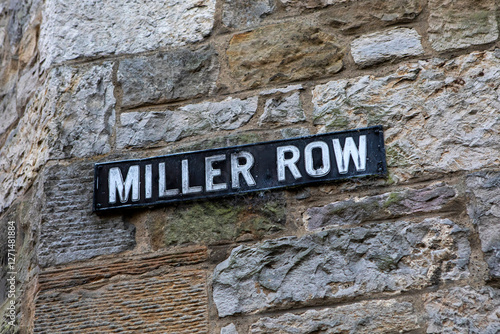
<point>283,110</point>
<point>484,209</point>
<point>283,52</point>
<point>384,316</point>
<point>229,329</point>
<point>167,76</point>
<point>153,127</point>
<point>71,115</point>
<point>310,3</point>
<point>385,45</point>
<point>8,110</point>
<point>340,264</point>
<point>70,231</point>
<point>160,303</point>
<point>88,29</point>
<point>463,310</point>
<point>389,205</point>
<point>461,23</point>
<point>244,218</point>
<point>244,14</point>
<point>437,115</point>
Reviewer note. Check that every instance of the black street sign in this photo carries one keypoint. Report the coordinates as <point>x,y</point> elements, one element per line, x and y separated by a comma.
<point>239,169</point>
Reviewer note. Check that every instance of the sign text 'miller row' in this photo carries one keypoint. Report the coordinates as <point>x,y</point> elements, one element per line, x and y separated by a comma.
<point>240,169</point>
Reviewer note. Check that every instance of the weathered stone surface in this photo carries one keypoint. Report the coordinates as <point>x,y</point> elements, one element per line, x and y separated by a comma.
<point>484,209</point>
<point>8,111</point>
<point>381,316</point>
<point>71,115</point>
<point>385,45</point>
<point>389,205</point>
<point>174,302</point>
<point>70,231</point>
<point>167,76</point>
<point>283,52</point>
<point>438,116</point>
<point>283,90</point>
<point>461,23</point>
<point>245,218</point>
<point>152,127</point>
<point>294,132</point>
<point>283,110</point>
<point>463,310</point>
<point>310,3</point>
<point>340,264</point>
<point>229,329</point>
<point>89,29</point>
<point>244,14</point>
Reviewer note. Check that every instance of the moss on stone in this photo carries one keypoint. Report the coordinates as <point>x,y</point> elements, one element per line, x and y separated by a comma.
<point>393,199</point>
<point>210,222</point>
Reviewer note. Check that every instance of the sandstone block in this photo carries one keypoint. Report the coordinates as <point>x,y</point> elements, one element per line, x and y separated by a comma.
<point>340,264</point>
<point>142,304</point>
<point>283,52</point>
<point>70,231</point>
<point>438,116</point>
<point>244,14</point>
<point>153,127</point>
<point>460,24</point>
<point>382,46</point>
<point>83,29</point>
<point>168,76</point>
<point>484,210</point>
<point>463,310</point>
<point>389,205</point>
<point>283,110</point>
<point>71,115</point>
<point>245,218</point>
<point>380,316</point>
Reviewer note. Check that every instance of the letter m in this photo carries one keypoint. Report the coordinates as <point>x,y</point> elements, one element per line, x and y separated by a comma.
<point>116,184</point>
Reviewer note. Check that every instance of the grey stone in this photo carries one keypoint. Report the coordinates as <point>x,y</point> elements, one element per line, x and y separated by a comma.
<point>379,316</point>
<point>168,76</point>
<point>461,23</point>
<point>389,205</point>
<point>71,115</point>
<point>229,329</point>
<point>340,264</point>
<point>8,111</point>
<point>244,14</point>
<point>282,90</point>
<point>438,116</point>
<point>310,3</point>
<point>283,110</point>
<point>83,29</point>
<point>385,45</point>
<point>484,209</point>
<point>463,310</point>
<point>153,127</point>
<point>294,132</point>
<point>70,231</point>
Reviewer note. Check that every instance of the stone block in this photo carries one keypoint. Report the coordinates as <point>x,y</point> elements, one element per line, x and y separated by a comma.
<point>245,14</point>
<point>244,218</point>
<point>283,110</point>
<point>85,29</point>
<point>438,116</point>
<point>386,206</point>
<point>339,265</point>
<point>463,310</point>
<point>71,115</point>
<point>310,3</point>
<point>141,128</point>
<point>484,209</point>
<point>168,76</point>
<point>174,302</point>
<point>229,329</point>
<point>283,52</point>
<point>386,45</point>
<point>379,316</point>
<point>70,231</point>
<point>460,24</point>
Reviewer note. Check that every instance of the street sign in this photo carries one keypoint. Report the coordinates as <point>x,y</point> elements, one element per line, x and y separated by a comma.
<point>239,169</point>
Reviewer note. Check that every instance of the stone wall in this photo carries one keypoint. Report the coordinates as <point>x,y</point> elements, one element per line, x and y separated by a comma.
<point>417,251</point>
